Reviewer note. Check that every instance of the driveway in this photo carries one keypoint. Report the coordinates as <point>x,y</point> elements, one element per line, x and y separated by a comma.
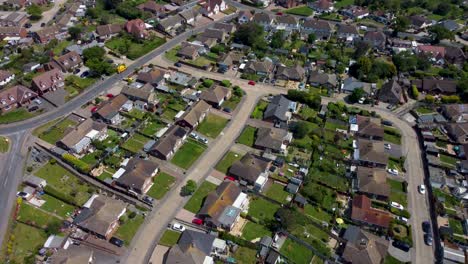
<point>48,15</point>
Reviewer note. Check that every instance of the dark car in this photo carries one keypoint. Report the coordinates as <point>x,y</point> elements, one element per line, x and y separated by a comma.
<point>426,226</point>
<point>401,245</point>
<point>428,239</point>
<point>116,241</point>
<point>178,64</point>
<point>387,123</point>
<point>33,108</point>
<point>76,71</point>
<point>27,25</point>
<point>42,24</point>
<point>227,110</point>
<point>84,74</point>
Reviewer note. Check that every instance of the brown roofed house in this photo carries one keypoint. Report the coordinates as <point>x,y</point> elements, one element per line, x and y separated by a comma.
<point>216,96</point>
<point>108,31</point>
<point>48,81</point>
<point>6,77</point>
<point>47,34</point>
<point>373,182</point>
<point>80,138</point>
<point>376,38</point>
<point>371,153</point>
<point>456,112</point>
<point>13,19</point>
<point>154,77</point>
<point>363,212</point>
<point>249,168</point>
<point>369,128</point>
<point>188,51</point>
<point>138,175</point>
<point>391,92</point>
<point>67,62</point>
<point>137,28</point>
<point>434,86</point>
<point>73,255</point>
<point>14,97</point>
<point>293,73</point>
<point>271,138</point>
<point>169,143</point>
<point>100,215</point>
<point>13,32</point>
<point>195,115</point>
<point>109,111</point>
<point>152,7</point>
<point>458,132</point>
<point>363,247</point>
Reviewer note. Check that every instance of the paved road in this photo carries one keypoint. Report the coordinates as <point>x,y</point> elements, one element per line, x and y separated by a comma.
<point>48,15</point>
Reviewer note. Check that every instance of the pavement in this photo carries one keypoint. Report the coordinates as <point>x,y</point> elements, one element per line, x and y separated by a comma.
<point>48,15</point>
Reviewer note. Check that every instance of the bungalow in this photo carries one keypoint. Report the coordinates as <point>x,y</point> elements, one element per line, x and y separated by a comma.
<point>48,81</point>
<point>274,139</point>
<point>435,53</point>
<point>228,59</point>
<point>136,28</point>
<point>154,77</point>
<point>217,34</point>
<point>13,32</point>
<point>6,77</point>
<point>189,51</point>
<point>455,55</point>
<point>100,215</point>
<point>244,17</point>
<point>137,176</point>
<point>399,45</point>
<point>437,177</point>
<point>14,97</point>
<point>13,19</point>
<point>458,132</point>
<point>80,138</point>
<point>376,39</point>
<point>227,28</point>
<point>293,73</point>
<point>419,22</point>
<point>109,111</point>
<point>363,247</point>
<point>355,12</point>
<point>348,32</point>
<point>169,143</point>
<point>321,6</point>
<point>259,67</point>
<point>320,28</point>
<point>43,36</point>
<point>287,23</point>
<point>195,115</point>
<point>456,112</point>
<point>74,254</point>
<point>264,20</point>
<point>279,111</point>
<point>318,79</point>
<point>391,92</point>
<point>222,207</point>
<point>107,31</point>
<point>212,7</point>
<point>152,7</point>
<point>145,94</point>
<point>363,212</point>
<point>67,62</point>
<point>350,84</point>
<point>35,181</point>
<point>170,24</point>
<point>369,128</point>
<point>216,96</point>
<point>372,182</point>
<point>370,153</point>
<point>252,169</point>
<point>434,86</point>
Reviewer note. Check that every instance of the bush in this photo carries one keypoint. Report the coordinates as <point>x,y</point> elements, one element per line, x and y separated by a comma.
<point>208,83</point>
<point>132,215</point>
<point>430,99</point>
<point>226,83</point>
<point>450,99</point>
<point>81,166</point>
<point>59,195</point>
<point>403,213</point>
<point>414,92</point>
<point>189,188</point>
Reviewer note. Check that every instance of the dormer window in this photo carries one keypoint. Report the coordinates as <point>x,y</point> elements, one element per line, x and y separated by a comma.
<point>11,98</point>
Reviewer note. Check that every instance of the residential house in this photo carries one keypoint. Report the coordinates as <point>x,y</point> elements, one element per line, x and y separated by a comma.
<point>155,77</point>
<point>109,111</point>
<point>252,169</point>
<point>35,181</point>
<point>216,96</point>
<point>419,22</point>
<point>195,115</point>
<point>264,20</point>
<point>363,247</point>
<point>363,212</point>
<point>273,257</point>
<point>287,3</point>
<point>287,23</point>
<point>399,45</point>
<point>227,60</point>
<point>205,41</point>
<point>64,21</point>
<point>136,28</point>
<point>274,139</point>
<point>369,128</point>
<point>107,31</point>
<point>170,24</point>
<point>217,34</point>
<point>279,111</point>
<point>13,33</point>
<point>435,53</point>
<point>189,51</point>
<point>189,16</point>
<point>195,247</point>
<point>80,138</point>
<point>371,153</point>
<point>455,112</point>
<point>145,94</point>
<point>14,97</point>
<point>437,177</point>
<point>320,28</point>
<point>100,215</point>
<point>320,79</point>
<point>222,207</point>
<point>48,81</point>
<point>450,25</point>
<point>56,242</point>
<point>321,6</point>
<point>152,7</point>
<point>67,62</point>
<point>170,142</point>
<point>348,32</point>
<point>458,132</point>
<point>372,182</point>
<point>212,7</point>
<point>383,16</point>
<point>355,12</point>
<point>350,84</point>
<point>434,86</point>
<point>138,175</point>
<point>392,93</point>
<point>6,77</point>
<point>292,73</point>
<point>264,67</point>
<point>13,19</point>
<point>244,17</point>
<point>455,55</point>
<point>73,254</point>
<point>44,35</point>
<point>376,39</point>
<point>227,28</point>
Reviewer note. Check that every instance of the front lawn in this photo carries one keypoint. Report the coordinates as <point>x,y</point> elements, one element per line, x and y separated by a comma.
<point>169,238</point>
<point>76,85</point>
<point>4,144</point>
<point>196,201</point>
<point>172,54</point>
<point>262,209</point>
<point>296,252</point>
<point>232,102</point>
<point>248,136</point>
<point>15,116</point>
<point>128,229</point>
<point>25,242</point>
<point>300,11</point>
<point>227,161</point>
<point>188,154</point>
<point>201,61</point>
<point>125,45</point>
<point>57,206</point>
<point>392,135</point>
<point>397,193</point>
<point>253,231</point>
<point>53,133</point>
<point>212,125</point>
<point>276,192</point>
<point>259,109</point>
<point>162,184</point>
<point>245,255</point>
<point>343,3</point>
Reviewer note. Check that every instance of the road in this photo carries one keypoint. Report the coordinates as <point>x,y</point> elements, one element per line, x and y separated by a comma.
<point>48,15</point>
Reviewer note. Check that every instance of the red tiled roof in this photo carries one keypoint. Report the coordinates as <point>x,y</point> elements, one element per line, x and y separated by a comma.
<point>362,211</point>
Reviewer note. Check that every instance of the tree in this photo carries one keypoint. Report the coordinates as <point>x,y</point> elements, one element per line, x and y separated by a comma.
<point>310,99</point>
<point>439,33</point>
<point>311,38</point>
<point>99,67</point>
<point>405,61</point>
<point>94,53</point>
<point>249,34</point>
<point>75,32</point>
<point>430,99</point>
<point>300,129</point>
<point>277,39</point>
<point>356,95</point>
<point>226,83</point>
<point>126,10</point>
<point>442,9</point>
<point>401,24</point>
<point>361,49</point>
<point>189,188</point>
<point>34,11</point>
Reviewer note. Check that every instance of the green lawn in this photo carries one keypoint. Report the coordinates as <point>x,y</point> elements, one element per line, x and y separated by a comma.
<point>75,83</point>
<point>259,109</point>
<point>391,260</point>
<point>162,184</point>
<point>252,231</point>
<point>57,206</point>
<point>300,11</point>
<point>169,114</point>
<point>52,133</point>
<point>392,138</point>
<point>277,193</point>
<point>343,3</point>
<point>201,61</point>
<point>296,252</point>
<point>424,110</point>
<point>317,214</point>
<point>92,158</point>
<point>248,136</point>
<point>262,209</point>
<point>172,54</point>
<point>188,154</point>
<point>196,201</point>
<point>232,102</point>
<point>397,193</point>
<point>64,182</point>
<point>456,226</point>
<point>29,213</point>
<point>450,200</point>
<point>151,128</point>
<point>104,175</point>
<point>133,50</point>
<point>135,143</point>
<point>227,161</point>
<point>212,125</point>
<point>15,116</point>
<point>245,255</point>
<point>333,126</point>
<point>128,229</point>
<point>448,159</point>
<point>27,241</point>
<point>136,113</point>
<point>4,144</point>
<point>169,238</point>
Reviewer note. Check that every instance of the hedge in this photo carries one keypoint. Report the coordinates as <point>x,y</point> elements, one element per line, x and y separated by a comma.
<point>239,241</point>
<point>60,195</point>
<point>403,213</point>
<point>81,166</point>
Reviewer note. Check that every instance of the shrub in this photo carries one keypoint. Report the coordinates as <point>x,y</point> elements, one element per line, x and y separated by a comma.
<point>208,83</point>
<point>59,195</point>
<point>450,99</point>
<point>226,83</point>
<point>189,188</point>
<point>430,99</point>
<point>132,215</point>
<point>240,241</point>
<point>403,213</point>
<point>414,92</point>
<point>81,166</point>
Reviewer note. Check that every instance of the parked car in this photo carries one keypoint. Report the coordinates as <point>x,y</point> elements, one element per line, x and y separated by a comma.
<point>33,108</point>
<point>387,146</point>
<point>194,135</point>
<point>426,226</point>
<point>403,219</point>
<point>116,241</point>
<point>396,205</point>
<point>401,245</point>
<point>428,239</point>
<point>148,199</point>
<point>203,140</point>
<point>229,178</point>
<point>422,189</point>
<point>76,71</point>
<point>84,74</point>
<point>251,83</point>
<point>393,172</point>
<point>279,14</point>
<point>21,194</point>
<point>178,64</point>
<point>178,227</point>
<point>387,123</point>
<point>38,101</point>
<point>227,110</point>
<point>197,221</point>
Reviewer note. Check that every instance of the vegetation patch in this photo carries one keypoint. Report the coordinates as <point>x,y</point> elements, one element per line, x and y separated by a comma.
<point>188,154</point>
<point>162,184</point>
<point>169,238</point>
<point>248,136</point>
<point>196,201</point>
<point>227,161</point>
<point>212,125</point>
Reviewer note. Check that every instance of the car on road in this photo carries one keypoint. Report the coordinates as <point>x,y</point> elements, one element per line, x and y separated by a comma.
<point>251,83</point>
<point>422,189</point>
<point>396,205</point>
<point>387,146</point>
<point>178,227</point>
<point>197,221</point>
<point>393,171</point>
<point>403,219</point>
<point>401,245</point>
<point>428,239</point>
<point>426,226</point>
<point>178,64</point>
<point>116,241</point>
